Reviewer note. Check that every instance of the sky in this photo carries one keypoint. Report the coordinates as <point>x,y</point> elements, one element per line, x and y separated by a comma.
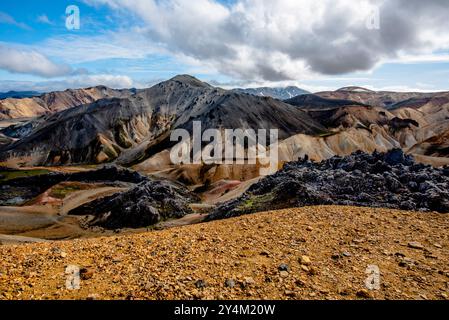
<point>400,45</point>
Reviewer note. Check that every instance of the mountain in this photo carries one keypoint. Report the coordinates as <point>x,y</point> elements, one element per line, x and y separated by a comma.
<point>315,102</point>
<point>277,93</point>
<point>374,98</point>
<point>18,94</point>
<point>135,128</point>
<point>52,102</point>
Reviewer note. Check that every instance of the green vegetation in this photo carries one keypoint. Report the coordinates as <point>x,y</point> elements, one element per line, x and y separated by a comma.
<point>13,174</point>
<point>62,190</point>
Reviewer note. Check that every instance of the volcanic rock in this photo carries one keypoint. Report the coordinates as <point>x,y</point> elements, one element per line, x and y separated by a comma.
<point>379,180</point>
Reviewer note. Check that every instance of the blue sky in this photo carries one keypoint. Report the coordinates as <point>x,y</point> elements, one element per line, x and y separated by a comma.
<point>138,43</point>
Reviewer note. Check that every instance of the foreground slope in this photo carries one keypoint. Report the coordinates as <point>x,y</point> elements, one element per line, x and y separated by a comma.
<point>194,262</point>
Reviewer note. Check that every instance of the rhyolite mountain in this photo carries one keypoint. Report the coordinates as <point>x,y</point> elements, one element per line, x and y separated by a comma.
<point>280,93</point>
<point>134,128</point>
<point>384,99</point>
<point>48,103</point>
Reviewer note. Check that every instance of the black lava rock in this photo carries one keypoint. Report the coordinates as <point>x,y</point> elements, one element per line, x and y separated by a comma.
<point>390,180</point>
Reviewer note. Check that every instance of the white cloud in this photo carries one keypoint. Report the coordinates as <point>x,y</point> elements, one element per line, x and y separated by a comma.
<point>44,19</point>
<point>7,19</point>
<point>112,81</point>
<point>21,60</point>
<point>291,39</point>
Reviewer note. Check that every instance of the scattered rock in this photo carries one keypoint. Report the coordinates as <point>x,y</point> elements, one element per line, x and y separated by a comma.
<point>358,180</point>
<point>284,267</point>
<point>305,260</point>
<point>229,283</point>
<point>200,284</point>
<point>284,274</point>
<point>364,294</point>
<point>416,245</point>
<point>86,273</point>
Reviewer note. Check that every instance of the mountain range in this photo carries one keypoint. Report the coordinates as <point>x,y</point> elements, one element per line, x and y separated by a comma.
<point>18,94</point>
<point>132,127</point>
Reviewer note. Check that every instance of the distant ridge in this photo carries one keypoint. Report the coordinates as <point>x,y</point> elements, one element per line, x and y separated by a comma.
<point>277,93</point>
<point>18,94</point>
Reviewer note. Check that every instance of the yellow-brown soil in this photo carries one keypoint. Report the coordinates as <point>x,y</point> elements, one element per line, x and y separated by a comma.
<point>193,262</point>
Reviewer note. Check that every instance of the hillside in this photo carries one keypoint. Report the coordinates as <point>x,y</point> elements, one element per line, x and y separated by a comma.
<point>135,128</point>
<point>48,103</point>
<point>253,257</point>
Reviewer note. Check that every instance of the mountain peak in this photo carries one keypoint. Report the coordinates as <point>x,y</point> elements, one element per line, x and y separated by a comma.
<point>354,89</point>
<point>190,80</point>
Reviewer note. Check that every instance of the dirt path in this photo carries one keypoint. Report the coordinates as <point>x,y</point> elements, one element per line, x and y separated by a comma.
<point>79,198</point>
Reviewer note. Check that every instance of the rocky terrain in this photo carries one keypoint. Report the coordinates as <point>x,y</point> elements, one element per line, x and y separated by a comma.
<point>307,253</point>
<point>391,180</point>
<point>141,206</point>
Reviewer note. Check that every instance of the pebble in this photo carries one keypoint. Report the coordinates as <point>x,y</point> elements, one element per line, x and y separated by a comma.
<point>415,245</point>
<point>305,260</point>
<point>363,293</point>
<point>229,283</point>
<point>284,274</point>
<point>284,267</point>
<point>86,273</point>
<point>200,284</point>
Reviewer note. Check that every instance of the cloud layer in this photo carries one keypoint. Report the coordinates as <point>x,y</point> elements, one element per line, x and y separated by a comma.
<point>290,39</point>
<point>17,60</point>
<point>112,81</point>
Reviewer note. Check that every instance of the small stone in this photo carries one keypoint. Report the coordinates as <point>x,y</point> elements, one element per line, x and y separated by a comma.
<point>200,284</point>
<point>309,228</point>
<point>63,254</point>
<point>313,271</point>
<point>300,283</point>
<point>305,268</point>
<point>265,253</point>
<point>92,296</point>
<point>336,256</point>
<point>86,273</point>
<point>289,293</point>
<point>415,245</point>
<point>284,267</point>
<point>284,274</point>
<point>249,281</point>
<point>230,283</point>
<point>305,260</point>
<point>363,293</point>
<point>344,292</point>
<point>437,245</point>
<point>407,262</point>
<point>347,254</point>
